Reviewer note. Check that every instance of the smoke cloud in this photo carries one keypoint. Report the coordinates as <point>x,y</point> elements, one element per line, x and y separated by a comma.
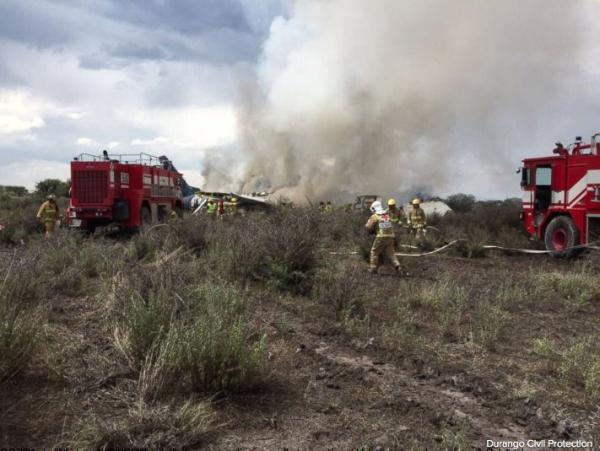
<point>391,96</point>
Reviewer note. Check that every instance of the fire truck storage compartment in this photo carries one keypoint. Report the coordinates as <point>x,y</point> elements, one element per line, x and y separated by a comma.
<point>121,210</point>
<point>543,187</point>
<point>593,228</point>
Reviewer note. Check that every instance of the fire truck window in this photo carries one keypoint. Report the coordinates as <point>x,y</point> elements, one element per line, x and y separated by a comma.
<point>543,176</point>
<point>525,177</point>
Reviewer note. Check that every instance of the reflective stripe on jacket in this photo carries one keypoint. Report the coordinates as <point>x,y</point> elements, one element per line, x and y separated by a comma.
<point>384,225</point>
<point>416,217</point>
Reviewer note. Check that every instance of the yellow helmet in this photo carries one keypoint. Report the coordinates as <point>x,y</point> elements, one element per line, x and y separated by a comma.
<point>416,201</point>
<point>51,197</point>
<point>391,202</point>
<point>234,199</point>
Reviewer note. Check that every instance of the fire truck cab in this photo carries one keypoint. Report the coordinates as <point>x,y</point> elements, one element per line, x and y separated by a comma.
<point>561,196</point>
<point>128,191</point>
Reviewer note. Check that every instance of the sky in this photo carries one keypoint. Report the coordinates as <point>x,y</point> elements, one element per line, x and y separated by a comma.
<point>164,77</point>
<point>125,75</point>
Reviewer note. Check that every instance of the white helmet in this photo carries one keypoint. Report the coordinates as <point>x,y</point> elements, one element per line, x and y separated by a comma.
<point>376,207</point>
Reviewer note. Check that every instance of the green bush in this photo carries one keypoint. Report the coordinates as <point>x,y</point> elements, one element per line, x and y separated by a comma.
<point>168,325</point>
<point>214,346</point>
<point>146,320</point>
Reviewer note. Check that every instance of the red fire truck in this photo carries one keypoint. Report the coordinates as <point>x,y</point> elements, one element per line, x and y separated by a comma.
<point>128,191</point>
<point>561,196</point>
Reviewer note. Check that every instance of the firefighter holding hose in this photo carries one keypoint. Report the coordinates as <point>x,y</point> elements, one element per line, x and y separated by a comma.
<point>416,219</point>
<point>381,224</point>
<point>49,214</point>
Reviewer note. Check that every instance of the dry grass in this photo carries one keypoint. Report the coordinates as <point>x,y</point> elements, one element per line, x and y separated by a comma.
<point>21,318</point>
<point>149,426</point>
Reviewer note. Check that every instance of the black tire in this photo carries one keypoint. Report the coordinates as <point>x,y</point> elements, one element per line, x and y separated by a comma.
<point>145,216</point>
<point>561,236</point>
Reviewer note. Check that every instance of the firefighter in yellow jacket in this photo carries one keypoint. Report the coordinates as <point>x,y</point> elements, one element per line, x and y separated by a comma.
<point>49,214</point>
<point>416,219</point>
<point>381,223</point>
<point>396,214</point>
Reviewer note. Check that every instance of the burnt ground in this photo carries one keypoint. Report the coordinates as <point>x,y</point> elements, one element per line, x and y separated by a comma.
<point>332,386</point>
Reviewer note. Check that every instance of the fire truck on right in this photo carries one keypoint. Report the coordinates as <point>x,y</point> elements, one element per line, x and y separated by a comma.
<point>561,197</point>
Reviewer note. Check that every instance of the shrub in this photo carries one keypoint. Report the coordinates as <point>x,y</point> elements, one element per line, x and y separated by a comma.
<point>591,378</point>
<point>279,250</point>
<point>468,249</point>
<point>18,217</point>
<point>147,426</point>
<point>488,322</point>
<point>192,232</point>
<point>403,332</point>
<point>20,325</point>
<point>510,292</point>
<point>438,295</point>
<point>214,347</point>
<point>340,285</point>
<point>175,329</point>
<point>461,203</point>
<point>487,222</point>
<point>146,320</point>
<point>576,288</point>
<point>577,364</point>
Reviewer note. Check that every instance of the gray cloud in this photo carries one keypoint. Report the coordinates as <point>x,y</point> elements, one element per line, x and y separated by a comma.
<point>76,76</point>
<point>32,23</point>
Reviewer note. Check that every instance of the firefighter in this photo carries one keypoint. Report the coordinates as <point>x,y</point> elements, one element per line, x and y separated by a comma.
<point>233,206</point>
<point>560,149</point>
<point>49,214</point>
<point>416,219</point>
<point>220,208</point>
<point>380,223</point>
<point>328,207</point>
<point>396,214</point>
<point>211,208</point>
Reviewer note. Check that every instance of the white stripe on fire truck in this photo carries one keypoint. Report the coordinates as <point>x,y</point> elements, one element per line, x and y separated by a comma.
<point>557,197</point>
<point>581,187</point>
<point>578,198</point>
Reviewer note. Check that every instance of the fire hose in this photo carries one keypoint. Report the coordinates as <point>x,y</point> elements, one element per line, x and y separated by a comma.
<point>591,246</point>
<point>487,247</point>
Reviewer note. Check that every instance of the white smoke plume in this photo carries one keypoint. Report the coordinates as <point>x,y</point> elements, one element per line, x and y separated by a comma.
<point>390,95</point>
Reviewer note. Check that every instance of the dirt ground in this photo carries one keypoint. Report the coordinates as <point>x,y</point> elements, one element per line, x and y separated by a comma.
<point>330,388</point>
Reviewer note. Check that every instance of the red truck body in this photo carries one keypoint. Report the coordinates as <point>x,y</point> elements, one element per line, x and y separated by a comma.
<point>561,196</point>
<point>123,190</point>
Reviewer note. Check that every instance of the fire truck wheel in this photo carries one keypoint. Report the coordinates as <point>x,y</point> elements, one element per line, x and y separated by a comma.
<point>145,216</point>
<point>561,235</point>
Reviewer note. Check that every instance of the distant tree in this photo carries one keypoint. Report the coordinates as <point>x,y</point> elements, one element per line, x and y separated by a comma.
<point>52,186</point>
<point>14,190</point>
<point>461,203</point>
